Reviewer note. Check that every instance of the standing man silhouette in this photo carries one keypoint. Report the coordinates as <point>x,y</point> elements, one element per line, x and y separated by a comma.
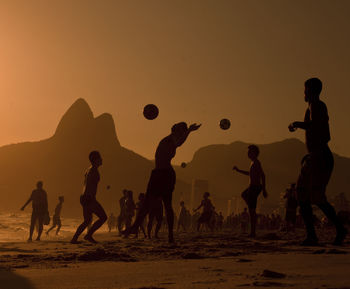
<point>40,208</point>
<point>163,177</point>
<point>88,200</point>
<point>317,166</point>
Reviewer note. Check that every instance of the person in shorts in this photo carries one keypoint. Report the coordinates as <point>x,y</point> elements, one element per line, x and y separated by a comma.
<point>256,185</point>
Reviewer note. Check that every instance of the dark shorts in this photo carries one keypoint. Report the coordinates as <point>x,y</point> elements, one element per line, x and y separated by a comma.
<point>250,196</point>
<point>205,217</point>
<point>315,174</point>
<point>56,221</point>
<point>161,184</point>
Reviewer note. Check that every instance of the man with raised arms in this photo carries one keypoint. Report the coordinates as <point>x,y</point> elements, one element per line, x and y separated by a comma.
<point>163,177</point>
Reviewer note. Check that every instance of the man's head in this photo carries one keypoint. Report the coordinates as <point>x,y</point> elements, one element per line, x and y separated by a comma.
<point>125,192</point>
<point>313,88</point>
<point>95,158</point>
<point>61,199</point>
<point>182,203</point>
<point>178,130</point>
<point>130,194</point>
<point>206,195</point>
<point>253,152</point>
<point>39,185</point>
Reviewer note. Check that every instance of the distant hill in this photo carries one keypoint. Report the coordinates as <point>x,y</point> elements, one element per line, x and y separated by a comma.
<point>61,160</point>
<point>281,163</point>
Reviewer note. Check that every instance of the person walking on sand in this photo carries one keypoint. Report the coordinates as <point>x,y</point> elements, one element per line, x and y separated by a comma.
<point>207,213</point>
<point>163,177</point>
<point>256,185</point>
<point>317,165</point>
<point>56,219</point>
<point>88,200</point>
<point>40,209</point>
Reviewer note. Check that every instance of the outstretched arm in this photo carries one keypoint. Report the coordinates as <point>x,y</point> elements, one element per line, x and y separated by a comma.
<point>195,210</point>
<point>191,128</point>
<point>29,200</point>
<point>241,171</point>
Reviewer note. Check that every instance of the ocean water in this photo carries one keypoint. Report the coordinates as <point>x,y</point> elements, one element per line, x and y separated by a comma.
<point>14,227</point>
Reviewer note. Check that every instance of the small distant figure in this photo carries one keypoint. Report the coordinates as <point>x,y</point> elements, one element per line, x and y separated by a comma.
<point>88,200</point>
<point>111,222</point>
<point>317,166</point>
<point>207,213</point>
<point>182,222</point>
<point>56,219</point>
<point>122,215</point>
<point>40,209</point>
<point>163,178</point>
<point>139,205</point>
<point>220,221</point>
<point>130,208</point>
<point>291,207</point>
<point>256,185</point>
<point>244,218</point>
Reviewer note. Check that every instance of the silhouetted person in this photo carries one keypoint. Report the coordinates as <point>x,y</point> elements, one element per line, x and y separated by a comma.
<point>182,222</point>
<point>56,219</point>
<point>139,205</point>
<point>88,200</point>
<point>291,207</point>
<point>122,215</point>
<point>40,208</point>
<point>318,165</point>
<point>207,213</point>
<point>129,209</point>
<point>256,185</point>
<point>163,177</point>
<point>111,223</point>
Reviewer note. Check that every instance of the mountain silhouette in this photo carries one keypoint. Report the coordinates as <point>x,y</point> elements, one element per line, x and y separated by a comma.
<point>61,160</point>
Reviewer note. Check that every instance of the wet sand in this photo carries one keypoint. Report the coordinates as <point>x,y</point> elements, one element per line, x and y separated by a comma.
<point>222,260</point>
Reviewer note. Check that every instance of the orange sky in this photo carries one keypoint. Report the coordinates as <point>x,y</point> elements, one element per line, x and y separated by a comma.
<point>199,61</point>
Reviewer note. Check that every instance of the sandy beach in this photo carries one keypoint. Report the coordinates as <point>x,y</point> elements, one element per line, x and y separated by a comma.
<point>220,260</point>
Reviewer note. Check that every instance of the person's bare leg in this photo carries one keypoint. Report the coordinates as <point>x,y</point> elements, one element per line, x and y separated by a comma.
<point>159,224</point>
<point>252,214</point>
<point>170,219</point>
<point>58,229</point>
<point>49,230</point>
<point>41,227</point>
<point>32,225</point>
<point>102,218</point>
<point>87,220</point>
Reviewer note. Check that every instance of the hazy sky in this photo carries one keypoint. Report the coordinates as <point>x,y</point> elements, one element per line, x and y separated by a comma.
<point>199,61</point>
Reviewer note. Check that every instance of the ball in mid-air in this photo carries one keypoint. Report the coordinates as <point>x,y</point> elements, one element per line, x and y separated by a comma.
<point>108,187</point>
<point>183,165</point>
<point>150,111</point>
<point>225,124</point>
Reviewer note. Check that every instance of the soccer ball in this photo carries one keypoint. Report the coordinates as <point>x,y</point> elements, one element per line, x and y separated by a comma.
<point>150,111</point>
<point>183,165</point>
<point>108,187</point>
<point>225,124</point>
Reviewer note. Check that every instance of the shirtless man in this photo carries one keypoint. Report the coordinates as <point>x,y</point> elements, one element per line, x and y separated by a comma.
<point>256,185</point>
<point>40,208</point>
<point>56,219</point>
<point>318,165</point>
<point>163,177</point>
<point>88,200</point>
